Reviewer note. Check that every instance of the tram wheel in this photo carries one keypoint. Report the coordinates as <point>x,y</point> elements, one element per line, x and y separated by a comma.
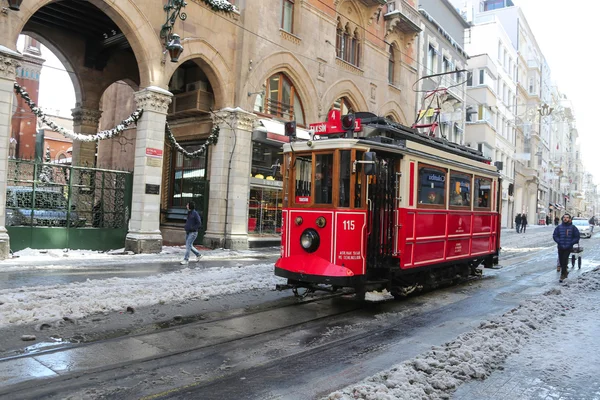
<point>301,293</point>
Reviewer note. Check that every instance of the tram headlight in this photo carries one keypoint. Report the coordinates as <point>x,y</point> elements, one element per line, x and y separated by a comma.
<point>310,240</point>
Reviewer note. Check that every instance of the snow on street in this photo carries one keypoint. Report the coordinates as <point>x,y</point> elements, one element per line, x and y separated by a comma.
<point>76,300</point>
<point>476,354</point>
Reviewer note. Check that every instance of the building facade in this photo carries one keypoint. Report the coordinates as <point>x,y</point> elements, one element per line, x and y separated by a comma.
<point>246,72</point>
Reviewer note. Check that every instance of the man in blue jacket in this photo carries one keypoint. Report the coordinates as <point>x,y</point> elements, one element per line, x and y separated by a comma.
<point>192,224</point>
<point>566,235</point>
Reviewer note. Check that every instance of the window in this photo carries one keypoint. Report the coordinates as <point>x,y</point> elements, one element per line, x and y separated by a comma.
<point>391,68</point>
<point>481,77</point>
<point>323,178</point>
<point>358,181</point>
<point>470,78</point>
<point>287,15</point>
<point>432,59</point>
<point>303,179</point>
<point>483,191</point>
<point>347,44</point>
<point>189,175</point>
<point>432,186</point>
<point>345,174</point>
<point>343,105</point>
<point>446,65</point>
<point>281,100</point>
<point>460,190</point>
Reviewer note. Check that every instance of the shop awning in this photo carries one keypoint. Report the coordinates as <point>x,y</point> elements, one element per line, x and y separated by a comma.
<point>278,128</point>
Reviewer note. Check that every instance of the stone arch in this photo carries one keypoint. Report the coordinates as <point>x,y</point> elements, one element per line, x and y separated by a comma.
<point>393,107</point>
<point>347,88</point>
<point>288,63</point>
<point>127,15</point>
<point>56,49</point>
<point>214,66</point>
<point>350,5</point>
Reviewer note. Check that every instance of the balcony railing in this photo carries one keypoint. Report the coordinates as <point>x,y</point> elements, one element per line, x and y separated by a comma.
<point>402,16</point>
<point>191,103</point>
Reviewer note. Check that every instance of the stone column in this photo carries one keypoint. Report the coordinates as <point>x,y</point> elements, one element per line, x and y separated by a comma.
<point>9,61</point>
<point>230,162</point>
<point>144,227</point>
<point>85,121</point>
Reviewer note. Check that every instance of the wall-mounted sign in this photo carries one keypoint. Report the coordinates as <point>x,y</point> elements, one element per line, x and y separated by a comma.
<point>152,189</point>
<point>157,153</point>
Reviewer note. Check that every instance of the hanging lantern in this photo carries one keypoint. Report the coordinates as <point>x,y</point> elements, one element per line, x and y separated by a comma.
<point>175,48</point>
<point>14,4</point>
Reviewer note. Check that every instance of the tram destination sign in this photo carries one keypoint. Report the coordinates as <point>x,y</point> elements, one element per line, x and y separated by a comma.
<point>333,125</point>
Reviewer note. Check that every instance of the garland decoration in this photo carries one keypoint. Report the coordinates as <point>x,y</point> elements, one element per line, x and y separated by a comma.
<point>108,134</point>
<point>213,138</point>
<point>220,5</point>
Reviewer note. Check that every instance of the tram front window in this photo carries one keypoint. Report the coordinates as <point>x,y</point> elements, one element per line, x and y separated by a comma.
<point>302,188</point>
<point>345,161</point>
<point>323,178</point>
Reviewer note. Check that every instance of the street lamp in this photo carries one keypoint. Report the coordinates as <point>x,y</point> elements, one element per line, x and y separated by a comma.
<point>14,4</point>
<point>172,40</point>
<point>545,110</point>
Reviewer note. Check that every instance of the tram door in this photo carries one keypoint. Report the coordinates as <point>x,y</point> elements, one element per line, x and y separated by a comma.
<point>382,192</point>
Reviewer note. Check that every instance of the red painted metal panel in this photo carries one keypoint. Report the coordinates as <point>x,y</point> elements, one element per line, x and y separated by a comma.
<point>482,223</point>
<point>480,245</point>
<point>407,256</point>
<point>430,223</point>
<point>284,229</point>
<point>350,243</point>
<point>459,223</point>
<point>309,217</point>
<point>312,265</point>
<point>457,248</point>
<point>411,198</point>
<point>429,251</point>
<point>408,223</point>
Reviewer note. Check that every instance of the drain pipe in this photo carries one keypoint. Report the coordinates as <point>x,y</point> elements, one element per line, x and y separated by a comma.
<point>228,179</point>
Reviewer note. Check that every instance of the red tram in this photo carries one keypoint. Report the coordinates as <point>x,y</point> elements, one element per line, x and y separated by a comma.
<point>382,206</point>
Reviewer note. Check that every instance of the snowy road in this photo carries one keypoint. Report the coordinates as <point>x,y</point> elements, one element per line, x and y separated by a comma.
<point>318,357</point>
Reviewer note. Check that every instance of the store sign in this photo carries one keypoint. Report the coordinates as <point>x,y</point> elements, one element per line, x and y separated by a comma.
<point>333,125</point>
<point>157,153</point>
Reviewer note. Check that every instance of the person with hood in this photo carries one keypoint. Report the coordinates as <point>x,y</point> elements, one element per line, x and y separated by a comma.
<point>566,235</point>
<point>192,224</point>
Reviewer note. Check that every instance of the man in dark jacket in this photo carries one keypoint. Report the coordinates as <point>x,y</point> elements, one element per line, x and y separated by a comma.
<point>518,223</point>
<point>192,224</point>
<point>566,235</point>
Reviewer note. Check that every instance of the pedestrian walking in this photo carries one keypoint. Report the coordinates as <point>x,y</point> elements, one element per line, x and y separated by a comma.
<point>523,223</point>
<point>192,224</point>
<point>518,220</point>
<point>548,221</point>
<point>592,222</point>
<point>556,221</point>
<point>566,235</point>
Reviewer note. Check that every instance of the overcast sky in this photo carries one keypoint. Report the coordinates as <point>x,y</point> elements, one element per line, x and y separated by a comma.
<point>565,31</point>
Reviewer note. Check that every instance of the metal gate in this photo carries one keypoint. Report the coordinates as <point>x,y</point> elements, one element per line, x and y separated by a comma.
<point>50,206</point>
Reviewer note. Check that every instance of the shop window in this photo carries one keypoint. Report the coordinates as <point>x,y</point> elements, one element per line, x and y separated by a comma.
<point>189,176</point>
<point>266,161</point>
<point>483,193</point>
<point>281,100</point>
<point>264,211</point>
<point>432,187</point>
<point>460,190</point>
<point>323,178</point>
<point>303,179</point>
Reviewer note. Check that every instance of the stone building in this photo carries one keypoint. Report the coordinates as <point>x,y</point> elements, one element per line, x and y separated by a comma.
<point>246,72</point>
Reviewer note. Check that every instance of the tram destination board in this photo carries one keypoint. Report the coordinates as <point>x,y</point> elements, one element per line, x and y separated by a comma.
<point>152,189</point>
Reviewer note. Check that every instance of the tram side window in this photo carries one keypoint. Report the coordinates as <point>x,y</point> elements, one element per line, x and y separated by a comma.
<point>460,190</point>
<point>432,186</point>
<point>483,193</point>
<point>303,167</point>
<point>323,178</point>
<point>345,165</point>
<point>358,181</point>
